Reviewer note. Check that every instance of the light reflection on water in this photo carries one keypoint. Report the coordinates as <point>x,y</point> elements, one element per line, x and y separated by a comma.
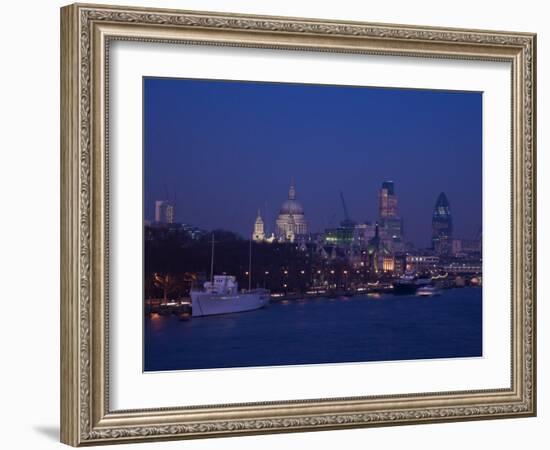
<point>307,331</point>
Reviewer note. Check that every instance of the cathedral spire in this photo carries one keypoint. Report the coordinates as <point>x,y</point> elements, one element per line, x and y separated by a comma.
<point>292,191</point>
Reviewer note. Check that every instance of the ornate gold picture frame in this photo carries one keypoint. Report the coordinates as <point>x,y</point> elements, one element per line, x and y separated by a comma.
<point>87,31</point>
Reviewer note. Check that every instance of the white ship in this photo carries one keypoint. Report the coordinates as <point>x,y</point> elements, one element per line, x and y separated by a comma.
<point>221,294</point>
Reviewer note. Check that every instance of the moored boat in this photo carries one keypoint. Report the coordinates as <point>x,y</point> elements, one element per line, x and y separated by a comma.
<point>221,296</point>
<point>405,284</point>
<point>428,291</point>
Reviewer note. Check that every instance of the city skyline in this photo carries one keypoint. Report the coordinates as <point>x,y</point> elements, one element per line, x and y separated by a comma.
<point>270,223</point>
<point>220,179</point>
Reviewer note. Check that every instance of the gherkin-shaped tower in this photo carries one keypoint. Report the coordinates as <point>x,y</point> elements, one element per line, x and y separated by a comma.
<point>442,226</point>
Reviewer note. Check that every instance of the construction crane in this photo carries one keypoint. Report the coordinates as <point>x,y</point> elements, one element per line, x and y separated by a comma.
<point>347,222</point>
<point>479,234</point>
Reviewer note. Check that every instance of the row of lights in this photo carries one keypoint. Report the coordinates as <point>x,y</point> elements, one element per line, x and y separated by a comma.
<point>302,272</point>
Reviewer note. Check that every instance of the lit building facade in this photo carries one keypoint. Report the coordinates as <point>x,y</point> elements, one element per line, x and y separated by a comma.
<point>291,222</point>
<point>442,226</point>
<point>388,263</point>
<point>391,225</point>
<point>259,231</point>
<point>464,266</point>
<point>422,263</point>
<point>164,212</point>
<point>387,206</point>
<point>363,233</point>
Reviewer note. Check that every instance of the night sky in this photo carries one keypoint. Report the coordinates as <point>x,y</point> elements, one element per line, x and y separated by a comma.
<point>223,149</point>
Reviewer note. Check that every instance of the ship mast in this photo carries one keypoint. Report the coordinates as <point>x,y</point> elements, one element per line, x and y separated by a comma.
<point>212,262</point>
<point>250,266</point>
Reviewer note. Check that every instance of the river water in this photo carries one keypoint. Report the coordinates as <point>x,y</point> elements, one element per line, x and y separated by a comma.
<point>322,330</point>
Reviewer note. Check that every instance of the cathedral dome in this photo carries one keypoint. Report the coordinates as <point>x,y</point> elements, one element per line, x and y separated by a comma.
<point>291,221</point>
<point>292,207</point>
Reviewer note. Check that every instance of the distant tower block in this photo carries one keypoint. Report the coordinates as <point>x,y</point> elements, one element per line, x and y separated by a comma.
<point>164,212</point>
<point>259,231</point>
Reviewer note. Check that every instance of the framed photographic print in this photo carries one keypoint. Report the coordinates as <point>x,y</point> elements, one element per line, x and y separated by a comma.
<point>275,224</point>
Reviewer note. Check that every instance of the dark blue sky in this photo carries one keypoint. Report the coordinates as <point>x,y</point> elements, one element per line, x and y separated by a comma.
<point>227,148</point>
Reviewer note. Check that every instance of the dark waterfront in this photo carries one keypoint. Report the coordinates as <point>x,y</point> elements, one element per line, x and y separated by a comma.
<point>322,330</point>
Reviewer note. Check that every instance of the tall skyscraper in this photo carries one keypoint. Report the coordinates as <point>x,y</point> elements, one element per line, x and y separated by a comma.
<point>164,211</point>
<point>387,200</point>
<point>442,226</point>
<point>391,225</point>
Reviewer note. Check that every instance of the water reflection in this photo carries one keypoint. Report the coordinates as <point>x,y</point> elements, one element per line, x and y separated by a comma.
<point>320,330</point>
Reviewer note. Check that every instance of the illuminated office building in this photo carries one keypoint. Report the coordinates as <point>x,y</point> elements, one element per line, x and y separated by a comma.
<point>442,226</point>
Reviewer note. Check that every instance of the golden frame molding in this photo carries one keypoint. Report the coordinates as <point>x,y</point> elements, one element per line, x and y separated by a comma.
<point>86,31</point>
